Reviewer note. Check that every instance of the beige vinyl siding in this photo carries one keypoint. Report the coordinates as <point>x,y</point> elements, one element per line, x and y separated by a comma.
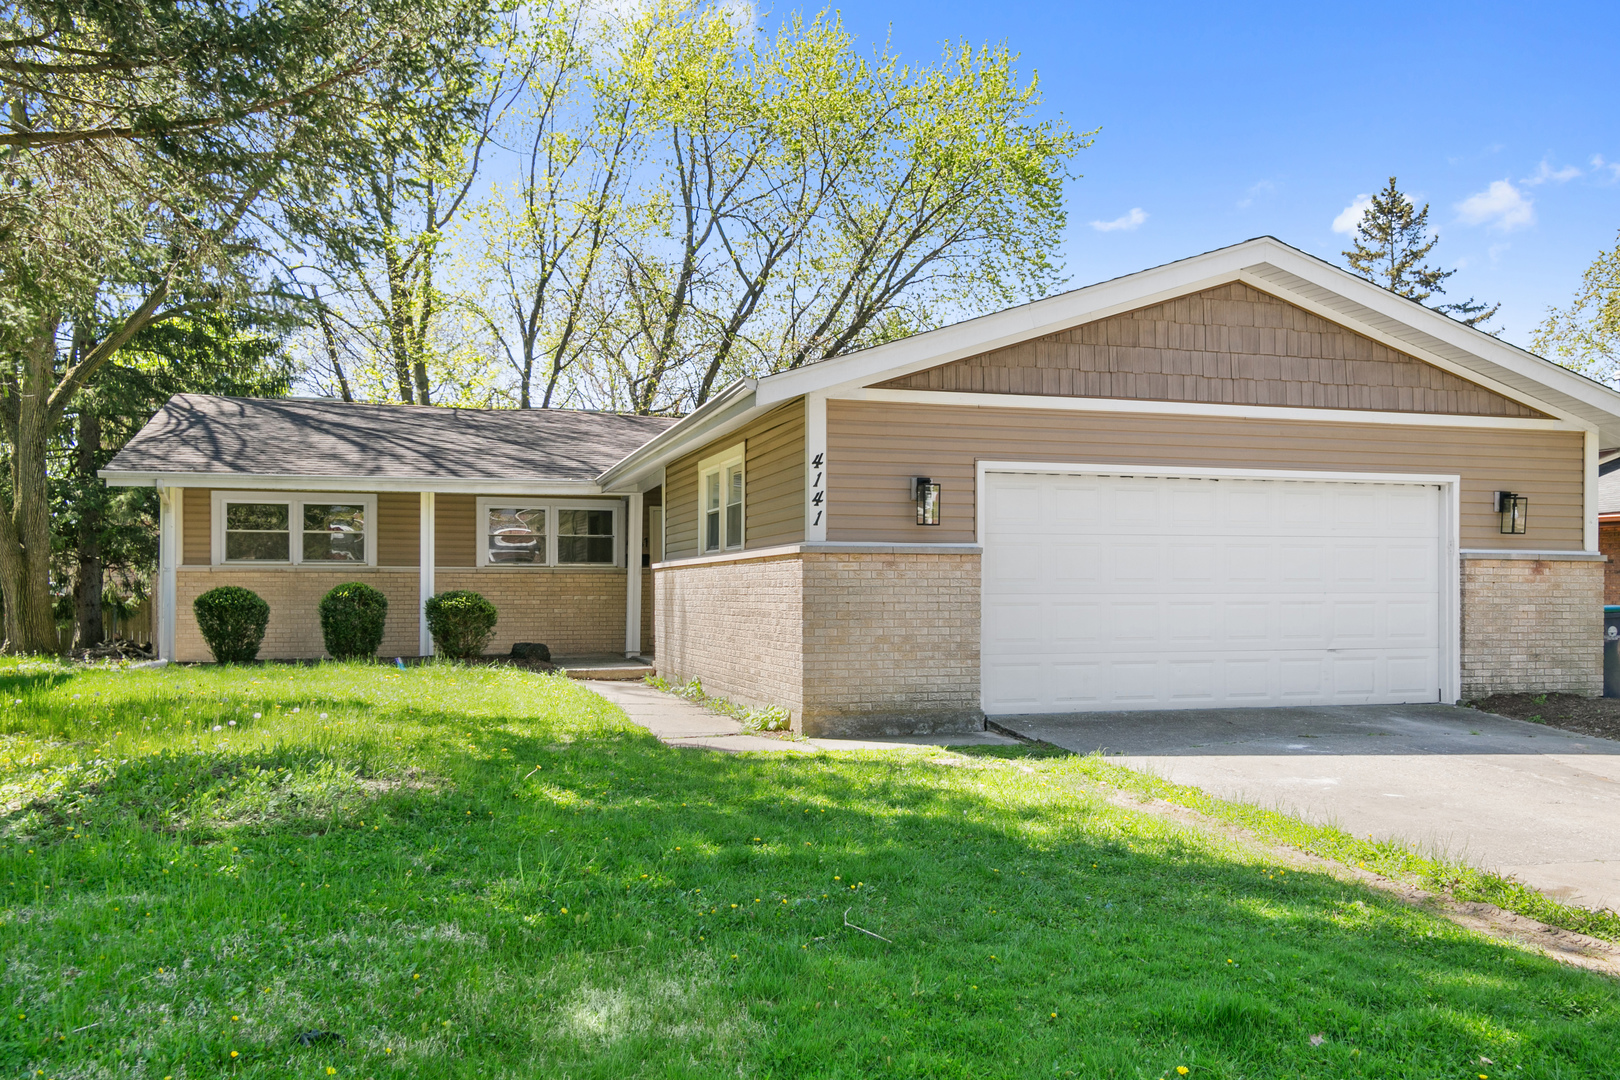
<point>398,529</point>
<point>197,527</point>
<point>1232,344</point>
<point>773,472</point>
<point>875,448</point>
<point>455,530</point>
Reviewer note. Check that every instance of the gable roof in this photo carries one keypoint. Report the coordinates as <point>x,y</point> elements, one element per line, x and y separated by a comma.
<point>1265,262</point>
<point>232,440</point>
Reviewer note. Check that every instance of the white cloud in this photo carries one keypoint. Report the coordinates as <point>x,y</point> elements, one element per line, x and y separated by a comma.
<point>1502,206</point>
<point>1122,224</point>
<point>1351,215</point>
<point>1546,172</point>
<point>1611,167</point>
<point>1261,190</point>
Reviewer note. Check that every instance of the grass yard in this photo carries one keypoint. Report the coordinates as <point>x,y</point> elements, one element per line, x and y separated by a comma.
<point>460,872</point>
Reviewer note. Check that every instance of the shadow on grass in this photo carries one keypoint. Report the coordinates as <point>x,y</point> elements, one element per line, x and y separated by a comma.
<point>584,901</point>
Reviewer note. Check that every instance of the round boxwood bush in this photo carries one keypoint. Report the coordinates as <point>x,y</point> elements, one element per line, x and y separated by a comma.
<point>461,622</point>
<point>352,617</point>
<point>232,620</point>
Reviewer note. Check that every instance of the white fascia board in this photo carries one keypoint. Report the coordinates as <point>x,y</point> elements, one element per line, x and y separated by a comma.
<point>724,413</point>
<point>1148,407</point>
<point>234,481</point>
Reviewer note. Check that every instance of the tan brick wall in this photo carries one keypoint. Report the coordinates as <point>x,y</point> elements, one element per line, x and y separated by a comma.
<point>738,626</point>
<point>1609,544</point>
<point>294,596</point>
<point>1531,625</point>
<point>852,644</point>
<point>891,643</point>
<point>576,612</point>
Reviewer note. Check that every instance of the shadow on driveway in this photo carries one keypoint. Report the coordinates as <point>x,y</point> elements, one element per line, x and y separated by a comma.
<point>1517,798</point>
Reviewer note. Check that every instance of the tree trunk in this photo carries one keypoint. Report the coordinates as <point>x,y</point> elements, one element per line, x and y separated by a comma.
<point>25,528</point>
<point>91,631</point>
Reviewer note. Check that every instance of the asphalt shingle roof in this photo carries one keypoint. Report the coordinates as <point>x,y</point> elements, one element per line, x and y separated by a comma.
<point>229,436</point>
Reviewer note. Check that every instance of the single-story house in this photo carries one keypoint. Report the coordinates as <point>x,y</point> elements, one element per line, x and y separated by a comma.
<point>1609,525</point>
<point>1244,478</point>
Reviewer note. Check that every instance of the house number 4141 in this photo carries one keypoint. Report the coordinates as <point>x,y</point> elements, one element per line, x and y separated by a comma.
<point>817,495</point>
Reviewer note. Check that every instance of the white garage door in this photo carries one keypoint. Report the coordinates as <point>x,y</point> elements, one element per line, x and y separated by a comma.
<point>1128,592</point>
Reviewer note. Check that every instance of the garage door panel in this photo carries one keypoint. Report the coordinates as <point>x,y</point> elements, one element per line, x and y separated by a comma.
<point>1140,592</point>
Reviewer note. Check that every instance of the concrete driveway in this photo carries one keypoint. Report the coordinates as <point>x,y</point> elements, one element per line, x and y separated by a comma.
<point>1520,799</point>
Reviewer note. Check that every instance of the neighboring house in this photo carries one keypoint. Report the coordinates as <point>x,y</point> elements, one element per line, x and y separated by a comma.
<point>1609,524</point>
<point>1245,478</point>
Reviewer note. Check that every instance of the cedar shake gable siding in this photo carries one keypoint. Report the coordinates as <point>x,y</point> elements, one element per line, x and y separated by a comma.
<point>1232,345</point>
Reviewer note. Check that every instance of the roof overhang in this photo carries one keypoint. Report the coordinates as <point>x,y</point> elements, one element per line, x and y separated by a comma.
<point>722,414</point>
<point>261,482</point>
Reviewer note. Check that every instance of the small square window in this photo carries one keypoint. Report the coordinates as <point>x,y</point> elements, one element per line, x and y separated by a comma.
<point>516,536</point>
<point>584,536</point>
<point>334,532</point>
<point>257,532</point>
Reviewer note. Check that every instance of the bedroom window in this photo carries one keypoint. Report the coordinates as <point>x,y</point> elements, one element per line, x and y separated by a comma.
<point>334,532</point>
<point>515,535</point>
<point>292,529</point>
<point>257,532</point>
<point>720,495</point>
<point>585,536</point>
<point>547,533</point>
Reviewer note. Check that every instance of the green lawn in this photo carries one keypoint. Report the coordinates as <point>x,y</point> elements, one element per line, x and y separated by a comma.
<point>485,872</point>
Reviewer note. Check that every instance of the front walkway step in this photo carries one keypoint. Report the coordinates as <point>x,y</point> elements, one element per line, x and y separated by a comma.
<point>611,668</point>
<point>678,722</point>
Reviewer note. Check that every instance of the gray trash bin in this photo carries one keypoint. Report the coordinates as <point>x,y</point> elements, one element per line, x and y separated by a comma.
<point>1611,650</point>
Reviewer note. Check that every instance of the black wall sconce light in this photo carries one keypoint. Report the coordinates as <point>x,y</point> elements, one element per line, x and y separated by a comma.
<point>1515,509</point>
<point>927,493</point>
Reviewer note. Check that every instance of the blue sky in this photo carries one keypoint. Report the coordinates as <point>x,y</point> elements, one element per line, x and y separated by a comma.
<point>1222,122</point>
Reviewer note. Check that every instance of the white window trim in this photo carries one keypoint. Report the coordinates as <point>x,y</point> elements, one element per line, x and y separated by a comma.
<point>294,501</point>
<point>550,506</point>
<point>718,463</point>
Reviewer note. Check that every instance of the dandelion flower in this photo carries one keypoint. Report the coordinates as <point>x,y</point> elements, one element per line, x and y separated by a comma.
<point>232,723</point>
<point>323,716</point>
<point>565,911</point>
<point>1181,1070</point>
<point>233,1053</point>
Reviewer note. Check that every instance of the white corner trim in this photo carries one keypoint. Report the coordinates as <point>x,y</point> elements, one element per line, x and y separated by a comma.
<point>1589,487</point>
<point>170,514</point>
<point>427,555</point>
<point>632,563</point>
<point>1209,409</point>
<point>1450,525</point>
<point>816,467</point>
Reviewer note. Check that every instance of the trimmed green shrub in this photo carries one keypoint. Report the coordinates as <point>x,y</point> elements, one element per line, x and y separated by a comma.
<point>461,622</point>
<point>232,620</point>
<point>352,617</point>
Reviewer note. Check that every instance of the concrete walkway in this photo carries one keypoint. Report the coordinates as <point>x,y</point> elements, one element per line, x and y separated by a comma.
<point>678,722</point>
<point>1534,802</point>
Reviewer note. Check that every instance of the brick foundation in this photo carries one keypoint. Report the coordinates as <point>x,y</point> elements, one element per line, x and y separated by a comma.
<point>294,596</point>
<point>1532,625</point>
<point>575,612</point>
<point>871,641</point>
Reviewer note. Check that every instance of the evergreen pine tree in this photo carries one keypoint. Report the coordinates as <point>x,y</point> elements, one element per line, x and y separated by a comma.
<point>1390,246</point>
